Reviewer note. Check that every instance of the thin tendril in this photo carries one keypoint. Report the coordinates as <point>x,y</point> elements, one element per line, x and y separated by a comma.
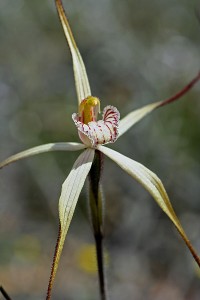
<point>51,279</point>
<point>181,93</point>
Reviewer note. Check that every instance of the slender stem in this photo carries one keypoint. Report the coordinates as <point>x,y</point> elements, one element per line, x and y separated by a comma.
<point>100,263</point>
<point>4,293</point>
<point>96,211</point>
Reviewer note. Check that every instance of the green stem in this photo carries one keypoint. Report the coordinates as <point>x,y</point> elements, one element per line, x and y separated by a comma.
<point>96,211</point>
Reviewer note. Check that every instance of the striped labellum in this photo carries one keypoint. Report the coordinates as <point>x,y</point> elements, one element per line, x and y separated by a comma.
<point>92,132</point>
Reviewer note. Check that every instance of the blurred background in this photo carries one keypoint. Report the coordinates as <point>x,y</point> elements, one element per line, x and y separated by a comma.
<point>136,52</point>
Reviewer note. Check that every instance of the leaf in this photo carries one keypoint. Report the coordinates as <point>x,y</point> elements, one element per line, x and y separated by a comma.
<point>41,149</point>
<point>138,114</point>
<point>81,79</point>
<point>153,185</point>
<point>71,189</point>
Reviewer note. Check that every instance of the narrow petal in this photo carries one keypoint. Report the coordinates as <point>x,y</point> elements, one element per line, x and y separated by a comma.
<point>71,189</point>
<point>138,114</point>
<point>42,149</point>
<point>153,185</point>
<point>135,116</point>
<point>81,79</point>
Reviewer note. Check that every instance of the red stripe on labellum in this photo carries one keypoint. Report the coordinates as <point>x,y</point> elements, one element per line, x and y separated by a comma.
<point>101,132</point>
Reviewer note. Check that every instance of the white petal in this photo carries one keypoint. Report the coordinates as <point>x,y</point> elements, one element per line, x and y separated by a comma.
<point>81,79</point>
<point>71,189</point>
<point>153,185</point>
<point>135,116</point>
<point>42,149</point>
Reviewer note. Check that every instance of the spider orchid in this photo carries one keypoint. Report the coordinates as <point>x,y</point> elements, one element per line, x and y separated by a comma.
<point>94,134</point>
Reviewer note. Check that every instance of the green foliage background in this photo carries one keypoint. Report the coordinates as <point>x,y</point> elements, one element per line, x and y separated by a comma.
<point>135,52</point>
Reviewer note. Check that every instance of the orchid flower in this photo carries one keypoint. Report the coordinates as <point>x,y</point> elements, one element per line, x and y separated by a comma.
<point>94,135</point>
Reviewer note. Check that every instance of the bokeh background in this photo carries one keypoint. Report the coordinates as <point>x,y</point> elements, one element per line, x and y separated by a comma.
<point>136,52</point>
